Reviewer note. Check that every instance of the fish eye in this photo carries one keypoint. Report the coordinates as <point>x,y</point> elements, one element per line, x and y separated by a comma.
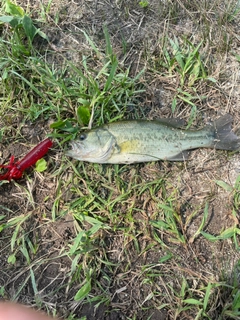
<point>82,137</point>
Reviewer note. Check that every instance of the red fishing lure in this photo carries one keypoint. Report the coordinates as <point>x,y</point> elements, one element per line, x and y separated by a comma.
<point>15,169</point>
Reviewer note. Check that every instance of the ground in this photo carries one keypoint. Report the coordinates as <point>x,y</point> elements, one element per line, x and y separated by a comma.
<point>145,241</point>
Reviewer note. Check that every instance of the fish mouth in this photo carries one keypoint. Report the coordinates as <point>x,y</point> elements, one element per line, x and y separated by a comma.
<point>75,149</point>
<point>95,154</point>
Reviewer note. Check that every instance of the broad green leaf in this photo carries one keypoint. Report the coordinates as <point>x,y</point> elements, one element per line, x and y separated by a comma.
<point>42,34</point>
<point>91,220</point>
<point>193,56</point>
<point>16,221</point>
<point>11,259</point>
<point>83,115</point>
<point>187,100</point>
<point>6,19</point>
<point>143,4</point>
<point>41,165</point>
<point>29,28</point>
<point>4,75</point>
<point>83,292</point>
<point>14,236</point>
<point>13,9</point>
<point>65,125</point>
<point>13,21</point>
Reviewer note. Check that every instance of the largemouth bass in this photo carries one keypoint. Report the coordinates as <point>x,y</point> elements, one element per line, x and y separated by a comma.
<point>142,141</point>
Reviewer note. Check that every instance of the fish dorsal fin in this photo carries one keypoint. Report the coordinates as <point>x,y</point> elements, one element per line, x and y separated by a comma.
<point>172,122</point>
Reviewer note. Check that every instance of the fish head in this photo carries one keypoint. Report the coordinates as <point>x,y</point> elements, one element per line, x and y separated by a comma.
<point>94,145</point>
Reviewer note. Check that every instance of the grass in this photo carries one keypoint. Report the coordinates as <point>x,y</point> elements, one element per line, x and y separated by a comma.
<point>143,241</point>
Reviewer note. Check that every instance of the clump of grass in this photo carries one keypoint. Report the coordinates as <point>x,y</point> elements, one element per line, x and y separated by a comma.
<point>189,61</point>
<point>181,62</point>
<point>99,90</point>
<point>234,231</point>
<point>231,293</point>
<point>185,61</point>
<point>103,93</point>
<point>23,29</point>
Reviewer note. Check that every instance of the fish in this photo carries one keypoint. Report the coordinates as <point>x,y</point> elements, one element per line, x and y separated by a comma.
<point>135,141</point>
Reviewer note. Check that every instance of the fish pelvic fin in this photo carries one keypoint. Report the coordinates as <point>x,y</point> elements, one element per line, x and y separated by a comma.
<point>224,137</point>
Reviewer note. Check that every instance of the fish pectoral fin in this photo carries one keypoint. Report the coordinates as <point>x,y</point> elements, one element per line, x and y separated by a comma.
<point>116,149</point>
<point>183,155</point>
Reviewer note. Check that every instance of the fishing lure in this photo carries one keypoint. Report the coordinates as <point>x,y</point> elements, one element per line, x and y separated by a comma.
<point>15,169</point>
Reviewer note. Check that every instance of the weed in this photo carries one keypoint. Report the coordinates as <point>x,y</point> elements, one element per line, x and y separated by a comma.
<point>169,221</point>
<point>54,93</point>
<point>231,308</point>
<point>22,26</point>
<point>234,231</point>
<point>144,4</point>
<point>181,61</point>
<point>184,61</point>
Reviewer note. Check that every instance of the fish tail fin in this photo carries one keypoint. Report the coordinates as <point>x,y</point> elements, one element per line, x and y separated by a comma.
<point>224,137</point>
